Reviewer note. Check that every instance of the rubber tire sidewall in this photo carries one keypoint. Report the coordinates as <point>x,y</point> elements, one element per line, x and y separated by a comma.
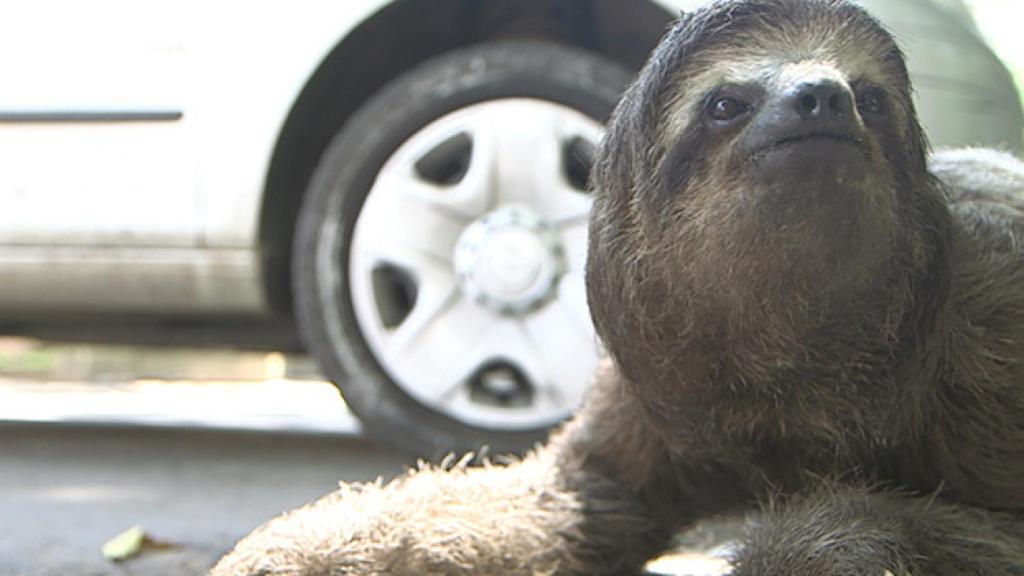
<point>343,178</point>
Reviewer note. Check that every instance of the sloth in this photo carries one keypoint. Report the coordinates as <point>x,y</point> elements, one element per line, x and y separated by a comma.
<point>808,318</point>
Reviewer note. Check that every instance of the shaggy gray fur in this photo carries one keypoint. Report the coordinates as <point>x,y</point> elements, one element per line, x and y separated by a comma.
<point>832,342</point>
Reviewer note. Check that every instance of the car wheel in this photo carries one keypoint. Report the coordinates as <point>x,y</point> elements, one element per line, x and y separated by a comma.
<point>438,266</point>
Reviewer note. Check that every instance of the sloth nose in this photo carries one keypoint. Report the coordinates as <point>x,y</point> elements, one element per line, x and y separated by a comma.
<point>804,109</point>
<point>825,100</point>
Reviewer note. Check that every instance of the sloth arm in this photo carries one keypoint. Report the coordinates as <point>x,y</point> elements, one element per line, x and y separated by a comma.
<point>601,497</point>
<point>836,529</point>
<point>979,443</point>
<point>981,176</point>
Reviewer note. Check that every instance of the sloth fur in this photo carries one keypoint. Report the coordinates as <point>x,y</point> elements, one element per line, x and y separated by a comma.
<point>806,320</point>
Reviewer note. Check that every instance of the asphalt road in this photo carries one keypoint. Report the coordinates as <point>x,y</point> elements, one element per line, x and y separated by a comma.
<point>66,489</point>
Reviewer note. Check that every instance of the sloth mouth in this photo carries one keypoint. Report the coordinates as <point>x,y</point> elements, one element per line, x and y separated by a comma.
<point>811,137</point>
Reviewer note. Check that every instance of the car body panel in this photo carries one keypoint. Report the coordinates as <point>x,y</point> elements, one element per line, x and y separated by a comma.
<point>76,170</point>
<point>43,282</point>
<point>258,78</point>
<point>113,231</point>
<point>218,65</point>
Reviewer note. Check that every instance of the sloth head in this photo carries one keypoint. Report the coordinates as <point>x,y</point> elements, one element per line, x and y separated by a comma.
<point>764,180</point>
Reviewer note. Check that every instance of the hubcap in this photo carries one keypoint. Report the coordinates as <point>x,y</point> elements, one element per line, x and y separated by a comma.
<point>466,264</point>
<point>509,261</point>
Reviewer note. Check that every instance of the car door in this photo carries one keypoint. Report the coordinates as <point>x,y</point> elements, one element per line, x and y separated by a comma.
<point>94,132</point>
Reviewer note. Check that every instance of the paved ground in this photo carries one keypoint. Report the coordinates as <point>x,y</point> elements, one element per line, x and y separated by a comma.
<point>64,490</point>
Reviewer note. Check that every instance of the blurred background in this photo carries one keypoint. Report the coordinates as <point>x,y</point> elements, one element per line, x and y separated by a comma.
<point>211,224</point>
<point>995,19</point>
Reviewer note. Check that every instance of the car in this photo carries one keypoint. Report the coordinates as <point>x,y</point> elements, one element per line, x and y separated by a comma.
<point>405,178</point>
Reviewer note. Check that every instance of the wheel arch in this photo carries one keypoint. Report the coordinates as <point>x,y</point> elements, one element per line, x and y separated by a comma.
<point>622,30</point>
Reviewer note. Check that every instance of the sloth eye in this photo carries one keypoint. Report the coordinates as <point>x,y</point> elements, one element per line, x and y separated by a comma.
<point>870,101</point>
<point>725,109</point>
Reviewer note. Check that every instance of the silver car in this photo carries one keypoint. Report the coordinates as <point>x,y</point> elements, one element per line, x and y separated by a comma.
<point>407,178</point>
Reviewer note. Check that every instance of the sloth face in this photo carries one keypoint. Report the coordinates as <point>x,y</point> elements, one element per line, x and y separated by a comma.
<point>799,126</point>
<point>797,147</point>
<point>762,205</point>
<point>767,166</point>
<point>794,109</point>
<point>772,137</point>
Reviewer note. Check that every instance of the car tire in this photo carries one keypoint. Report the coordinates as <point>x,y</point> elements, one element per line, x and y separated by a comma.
<point>545,76</point>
